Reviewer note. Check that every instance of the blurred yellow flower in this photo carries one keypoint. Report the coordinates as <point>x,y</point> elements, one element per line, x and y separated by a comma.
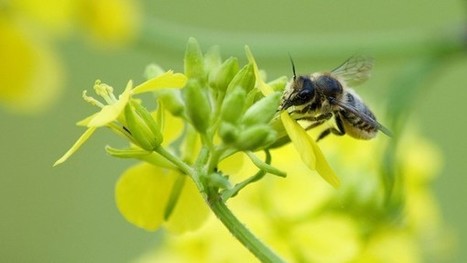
<point>30,72</point>
<point>110,22</point>
<point>305,220</point>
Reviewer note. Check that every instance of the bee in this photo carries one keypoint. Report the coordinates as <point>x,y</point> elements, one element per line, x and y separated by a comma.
<point>320,96</point>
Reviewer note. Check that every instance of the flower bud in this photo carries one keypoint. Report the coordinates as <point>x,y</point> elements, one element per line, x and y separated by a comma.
<point>194,62</point>
<point>254,137</point>
<point>244,78</point>
<point>220,78</point>
<point>197,104</point>
<point>144,129</point>
<point>263,110</point>
<point>279,83</point>
<point>228,132</point>
<point>212,59</point>
<point>172,100</point>
<point>232,106</point>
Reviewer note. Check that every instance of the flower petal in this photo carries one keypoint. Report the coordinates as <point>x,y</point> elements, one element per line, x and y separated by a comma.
<point>83,138</point>
<point>308,150</point>
<point>300,139</point>
<point>260,84</point>
<point>111,112</point>
<point>166,80</point>
<point>190,212</point>
<point>142,193</point>
<point>323,167</point>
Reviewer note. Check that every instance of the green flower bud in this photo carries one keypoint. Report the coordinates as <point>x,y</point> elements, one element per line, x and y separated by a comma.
<point>263,110</point>
<point>142,126</point>
<point>172,100</point>
<point>254,137</point>
<point>220,78</point>
<point>244,78</point>
<point>194,62</point>
<point>232,106</point>
<point>197,104</point>
<point>228,132</point>
<point>212,59</point>
<point>279,83</point>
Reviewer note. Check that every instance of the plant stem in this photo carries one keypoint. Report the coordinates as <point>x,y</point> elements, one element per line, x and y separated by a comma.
<point>239,231</point>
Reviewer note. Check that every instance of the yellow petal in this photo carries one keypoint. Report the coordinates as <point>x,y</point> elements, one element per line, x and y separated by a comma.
<point>85,122</point>
<point>190,212</point>
<point>76,146</point>
<point>111,112</point>
<point>300,140</point>
<point>142,193</point>
<point>260,84</point>
<point>323,167</point>
<point>309,152</point>
<point>166,80</point>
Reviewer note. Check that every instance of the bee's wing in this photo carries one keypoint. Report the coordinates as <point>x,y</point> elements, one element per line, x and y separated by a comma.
<point>354,70</point>
<point>363,116</point>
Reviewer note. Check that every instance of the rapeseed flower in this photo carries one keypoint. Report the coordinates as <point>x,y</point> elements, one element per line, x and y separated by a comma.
<point>218,139</point>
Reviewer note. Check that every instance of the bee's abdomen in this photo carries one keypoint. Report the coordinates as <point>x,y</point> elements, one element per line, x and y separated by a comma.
<point>357,127</point>
<point>354,125</point>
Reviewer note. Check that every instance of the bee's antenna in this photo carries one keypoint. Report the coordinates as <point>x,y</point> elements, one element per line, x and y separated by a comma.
<point>293,67</point>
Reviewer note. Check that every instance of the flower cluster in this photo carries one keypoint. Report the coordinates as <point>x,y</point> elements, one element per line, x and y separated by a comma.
<point>214,131</point>
<point>305,221</point>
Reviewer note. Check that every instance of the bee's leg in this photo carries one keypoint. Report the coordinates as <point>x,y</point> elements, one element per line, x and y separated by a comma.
<point>317,120</point>
<point>320,118</point>
<point>339,131</point>
<point>314,124</point>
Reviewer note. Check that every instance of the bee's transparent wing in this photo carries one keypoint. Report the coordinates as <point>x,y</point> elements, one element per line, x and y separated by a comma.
<point>362,116</point>
<point>354,70</point>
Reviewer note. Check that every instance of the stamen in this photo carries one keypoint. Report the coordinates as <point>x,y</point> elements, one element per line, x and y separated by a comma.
<point>92,100</point>
<point>105,91</point>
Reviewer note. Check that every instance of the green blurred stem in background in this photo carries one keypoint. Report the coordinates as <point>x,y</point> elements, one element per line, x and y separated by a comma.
<point>397,43</point>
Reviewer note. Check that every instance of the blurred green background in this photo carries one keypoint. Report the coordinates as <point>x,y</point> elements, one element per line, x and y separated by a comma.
<point>67,213</point>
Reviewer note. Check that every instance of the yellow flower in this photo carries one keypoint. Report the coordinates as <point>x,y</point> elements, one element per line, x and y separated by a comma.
<point>308,149</point>
<point>110,21</point>
<point>31,74</point>
<point>143,196</point>
<point>112,112</point>
<point>305,221</point>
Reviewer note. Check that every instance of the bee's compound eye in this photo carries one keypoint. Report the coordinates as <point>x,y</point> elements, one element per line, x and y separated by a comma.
<point>305,94</point>
<point>307,90</point>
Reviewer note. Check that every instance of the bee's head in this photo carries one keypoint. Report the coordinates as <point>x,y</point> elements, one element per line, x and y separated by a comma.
<point>299,91</point>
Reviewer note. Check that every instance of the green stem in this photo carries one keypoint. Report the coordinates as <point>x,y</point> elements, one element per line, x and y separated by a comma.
<point>175,160</point>
<point>240,232</point>
<point>395,43</point>
<point>265,166</point>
